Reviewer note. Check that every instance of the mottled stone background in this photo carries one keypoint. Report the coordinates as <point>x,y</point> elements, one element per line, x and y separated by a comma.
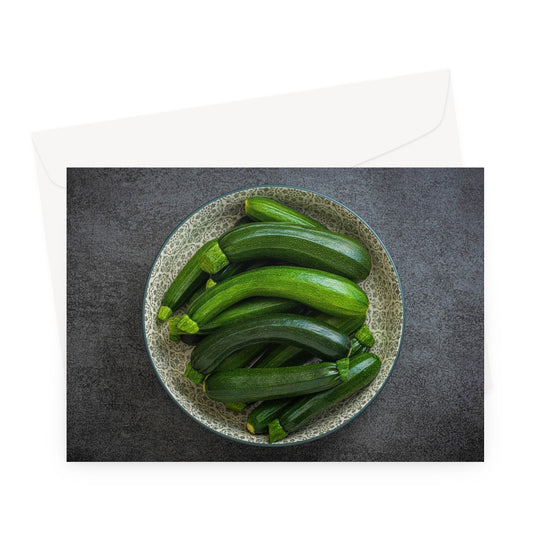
<point>430,220</point>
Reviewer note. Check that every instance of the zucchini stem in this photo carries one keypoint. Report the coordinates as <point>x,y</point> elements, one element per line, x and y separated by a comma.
<point>213,259</point>
<point>236,407</point>
<point>186,324</point>
<point>276,431</point>
<point>164,313</point>
<point>343,365</point>
<point>210,283</point>
<point>173,327</point>
<point>364,336</point>
<point>193,375</point>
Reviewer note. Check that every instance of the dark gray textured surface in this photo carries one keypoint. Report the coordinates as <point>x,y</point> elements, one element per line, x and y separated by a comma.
<point>430,220</point>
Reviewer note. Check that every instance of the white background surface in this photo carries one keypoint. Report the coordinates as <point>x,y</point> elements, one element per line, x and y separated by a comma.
<point>66,63</point>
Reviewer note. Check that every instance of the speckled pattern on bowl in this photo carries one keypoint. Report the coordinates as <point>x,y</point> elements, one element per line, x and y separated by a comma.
<point>385,314</point>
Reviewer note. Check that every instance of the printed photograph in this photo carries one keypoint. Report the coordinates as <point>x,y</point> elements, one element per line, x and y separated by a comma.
<point>275,314</point>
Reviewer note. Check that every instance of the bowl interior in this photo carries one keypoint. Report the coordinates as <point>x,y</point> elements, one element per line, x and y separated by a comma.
<point>385,314</point>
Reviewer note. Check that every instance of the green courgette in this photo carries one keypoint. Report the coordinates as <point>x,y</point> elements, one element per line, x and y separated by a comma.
<point>277,355</point>
<point>242,311</point>
<point>363,340</point>
<point>297,245</point>
<point>267,411</point>
<point>228,271</point>
<point>317,337</point>
<point>323,291</point>
<point>235,268</point>
<point>362,370</point>
<point>288,355</point>
<point>268,210</point>
<point>257,384</point>
<point>198,293</point>
<point>190,278</point>
<point>189,283</point>
<point>242,358</point>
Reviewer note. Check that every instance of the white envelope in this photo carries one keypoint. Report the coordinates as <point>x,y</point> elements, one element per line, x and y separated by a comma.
<point>404,121</point>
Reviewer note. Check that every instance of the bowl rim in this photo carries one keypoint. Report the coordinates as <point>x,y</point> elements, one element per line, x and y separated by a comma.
<point>280,443</point>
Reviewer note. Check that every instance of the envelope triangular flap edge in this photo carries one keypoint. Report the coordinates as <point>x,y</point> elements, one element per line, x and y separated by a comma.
<point>345,125</point>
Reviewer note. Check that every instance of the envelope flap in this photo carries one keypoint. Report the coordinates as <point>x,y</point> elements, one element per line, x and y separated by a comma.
<point>339,126</point>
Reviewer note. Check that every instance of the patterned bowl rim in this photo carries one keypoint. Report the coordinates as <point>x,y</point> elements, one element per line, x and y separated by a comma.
<point>281,443</point>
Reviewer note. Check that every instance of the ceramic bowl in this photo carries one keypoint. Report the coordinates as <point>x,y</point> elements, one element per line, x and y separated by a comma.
<point>385,314</point>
